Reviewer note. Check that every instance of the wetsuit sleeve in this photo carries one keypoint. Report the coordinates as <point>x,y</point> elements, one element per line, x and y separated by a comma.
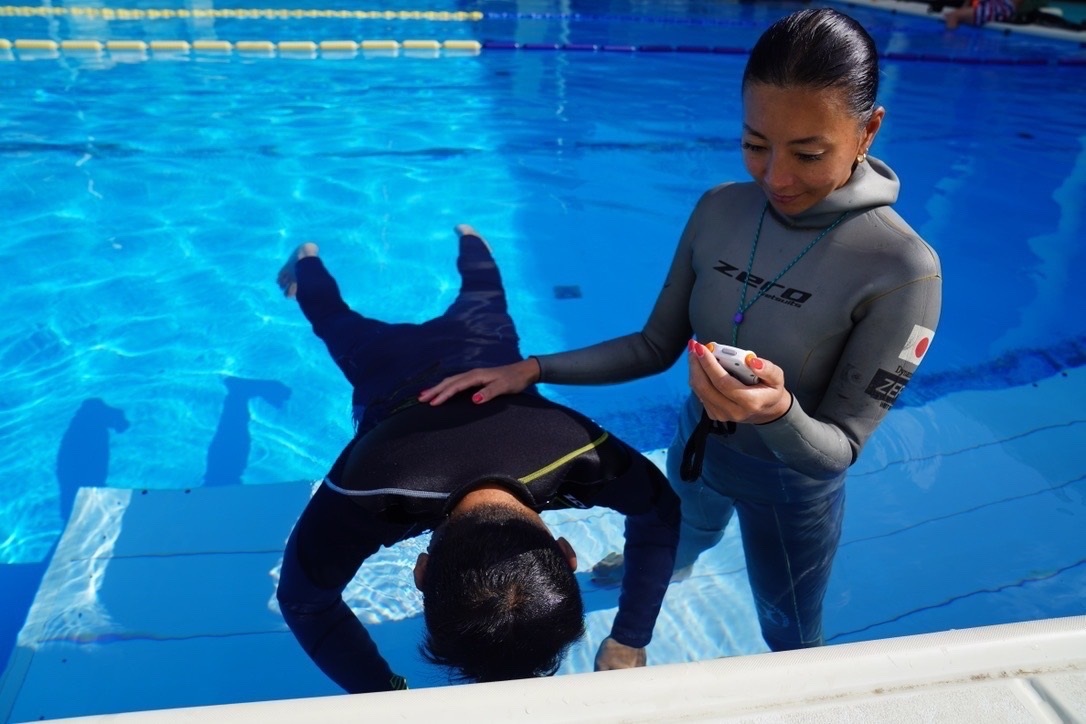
<point>329,543</point>
<point>873,368</point>
<point>651,508</point>
<point>650,351</point>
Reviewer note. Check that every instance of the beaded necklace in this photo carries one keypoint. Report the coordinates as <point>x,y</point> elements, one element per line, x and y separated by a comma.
<point>743,304</point>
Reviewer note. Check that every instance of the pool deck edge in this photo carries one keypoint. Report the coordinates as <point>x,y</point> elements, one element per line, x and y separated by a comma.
<point>1032,671</point>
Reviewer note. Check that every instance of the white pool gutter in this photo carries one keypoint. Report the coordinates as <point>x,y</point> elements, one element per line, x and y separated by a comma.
<point>1025,672</point>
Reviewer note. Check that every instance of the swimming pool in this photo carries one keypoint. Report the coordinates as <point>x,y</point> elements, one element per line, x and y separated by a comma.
<point>150,199</point>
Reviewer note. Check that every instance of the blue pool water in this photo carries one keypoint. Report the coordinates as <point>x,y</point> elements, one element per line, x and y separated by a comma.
<point>147,206</point>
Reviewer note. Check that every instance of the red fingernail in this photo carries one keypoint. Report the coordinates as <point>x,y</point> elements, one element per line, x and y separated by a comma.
<point>477,397</point>
<point>690,345</point>
<point>699,350</point>
<point>756,364</point>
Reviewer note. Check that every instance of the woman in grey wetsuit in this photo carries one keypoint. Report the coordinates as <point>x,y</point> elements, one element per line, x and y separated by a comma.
<point>810,267</point>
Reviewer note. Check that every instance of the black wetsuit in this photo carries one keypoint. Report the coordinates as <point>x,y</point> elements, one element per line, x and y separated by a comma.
<point>409,464</point>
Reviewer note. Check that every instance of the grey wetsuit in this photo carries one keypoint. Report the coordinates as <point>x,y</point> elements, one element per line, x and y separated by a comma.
<point>838,323</point>
<point>848,324</point>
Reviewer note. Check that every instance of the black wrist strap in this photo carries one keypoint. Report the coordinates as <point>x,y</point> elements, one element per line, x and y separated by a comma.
<point>694,451</point>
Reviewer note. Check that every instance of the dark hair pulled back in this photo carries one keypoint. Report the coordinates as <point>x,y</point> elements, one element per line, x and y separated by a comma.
<point>818,48</point>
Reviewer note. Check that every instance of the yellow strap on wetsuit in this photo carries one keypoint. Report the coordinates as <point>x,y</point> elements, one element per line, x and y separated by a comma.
<point>565,459</point>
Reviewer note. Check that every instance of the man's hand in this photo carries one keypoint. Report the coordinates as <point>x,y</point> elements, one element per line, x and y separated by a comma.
<point>613,655</point>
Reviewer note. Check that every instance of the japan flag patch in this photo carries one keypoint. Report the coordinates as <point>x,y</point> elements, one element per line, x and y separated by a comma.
<point>917,344</point>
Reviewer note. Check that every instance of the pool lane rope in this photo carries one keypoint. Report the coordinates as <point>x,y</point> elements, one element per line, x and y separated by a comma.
<point>99,13</point>
<point>30,49</point>
<point>37,48</point>
<point>29,11</point>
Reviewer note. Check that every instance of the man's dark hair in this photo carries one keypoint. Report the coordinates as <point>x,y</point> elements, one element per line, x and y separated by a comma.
<point>499,598</point>
<point>818,48</point>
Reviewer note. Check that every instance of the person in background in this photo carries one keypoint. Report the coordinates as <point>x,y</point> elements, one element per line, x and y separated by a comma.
<point>810,267</point>
<point>980,12</point>
<point>500,598</point>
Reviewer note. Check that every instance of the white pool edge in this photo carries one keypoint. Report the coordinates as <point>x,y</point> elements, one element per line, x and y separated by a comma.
<point>1033,671</point>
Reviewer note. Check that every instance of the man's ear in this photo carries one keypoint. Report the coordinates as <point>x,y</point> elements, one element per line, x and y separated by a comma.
<point>420,569</point>
<point>567,549</point>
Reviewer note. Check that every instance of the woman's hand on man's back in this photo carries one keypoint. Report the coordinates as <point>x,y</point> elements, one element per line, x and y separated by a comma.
<point>491,381</point>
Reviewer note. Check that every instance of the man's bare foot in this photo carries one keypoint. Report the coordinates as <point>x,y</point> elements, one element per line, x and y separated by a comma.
<point>286,279</point>
<point>468,230</point>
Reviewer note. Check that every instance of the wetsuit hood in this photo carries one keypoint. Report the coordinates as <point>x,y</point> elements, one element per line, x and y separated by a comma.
<point>872,184</point>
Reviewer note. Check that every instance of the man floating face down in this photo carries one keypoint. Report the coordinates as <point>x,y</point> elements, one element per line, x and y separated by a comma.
<point>499,594</point>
